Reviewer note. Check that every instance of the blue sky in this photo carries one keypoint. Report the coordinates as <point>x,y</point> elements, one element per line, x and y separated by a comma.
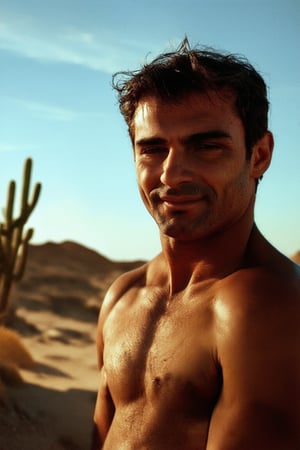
<point>57,106</point>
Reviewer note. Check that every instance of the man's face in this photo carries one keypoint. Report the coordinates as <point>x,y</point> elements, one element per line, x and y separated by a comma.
<point>191,164</point>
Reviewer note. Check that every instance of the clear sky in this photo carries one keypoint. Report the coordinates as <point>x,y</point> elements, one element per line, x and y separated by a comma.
<point>57,106</point>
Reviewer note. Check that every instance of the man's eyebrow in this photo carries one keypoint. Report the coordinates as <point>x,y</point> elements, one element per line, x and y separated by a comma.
<point>195,137</point>
<point>202,136</point>
<point>150,141</point>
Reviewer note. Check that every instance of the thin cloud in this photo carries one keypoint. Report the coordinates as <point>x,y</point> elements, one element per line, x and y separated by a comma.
<point>49,112</point>
<point>45,111</point>
<point>98,51</point>
<point>10,148</point>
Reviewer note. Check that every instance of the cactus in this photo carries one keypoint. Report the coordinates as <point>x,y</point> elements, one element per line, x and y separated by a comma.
<point>13,238</point>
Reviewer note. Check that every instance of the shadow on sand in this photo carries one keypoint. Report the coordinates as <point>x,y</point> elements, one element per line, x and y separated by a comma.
<point>34,418</point>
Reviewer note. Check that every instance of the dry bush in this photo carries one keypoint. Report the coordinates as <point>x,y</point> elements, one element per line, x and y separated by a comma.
<point>2,394</point>
<point>296,257</point>
<point>12,350</point>
<point>9,375</point>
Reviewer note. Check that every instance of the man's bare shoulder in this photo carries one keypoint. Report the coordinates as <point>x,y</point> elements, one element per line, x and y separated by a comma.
<point>257,345</point>
<point>133,279</point>
<point>260,294</point>
<point>264,283</point>
<point>266,275</point>
<point>121,285</point>
<point>257,311</point>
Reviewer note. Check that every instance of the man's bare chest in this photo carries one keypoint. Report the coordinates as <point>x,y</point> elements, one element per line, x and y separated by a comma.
<point>163,352</point>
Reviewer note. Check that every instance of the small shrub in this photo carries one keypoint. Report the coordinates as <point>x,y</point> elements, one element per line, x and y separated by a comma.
<point>13,351</point>
<point>9,376</point>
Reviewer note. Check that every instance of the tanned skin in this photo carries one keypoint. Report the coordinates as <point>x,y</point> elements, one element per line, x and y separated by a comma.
<point>199,348</point>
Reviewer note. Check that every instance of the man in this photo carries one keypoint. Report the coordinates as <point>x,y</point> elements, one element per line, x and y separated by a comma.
<point>199,348</point>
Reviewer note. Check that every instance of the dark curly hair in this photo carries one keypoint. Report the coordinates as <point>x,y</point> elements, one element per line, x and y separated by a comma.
<point>173,75</point>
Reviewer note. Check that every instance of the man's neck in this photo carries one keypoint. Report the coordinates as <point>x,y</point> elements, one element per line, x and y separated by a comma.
<point>209,258</point>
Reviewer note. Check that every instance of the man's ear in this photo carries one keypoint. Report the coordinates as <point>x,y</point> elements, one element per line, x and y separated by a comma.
<point>261,155</point>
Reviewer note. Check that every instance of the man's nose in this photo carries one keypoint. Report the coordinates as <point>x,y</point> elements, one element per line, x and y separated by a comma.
<point>176,168</point>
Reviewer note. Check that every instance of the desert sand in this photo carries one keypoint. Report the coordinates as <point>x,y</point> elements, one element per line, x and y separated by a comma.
<point>47,395</point>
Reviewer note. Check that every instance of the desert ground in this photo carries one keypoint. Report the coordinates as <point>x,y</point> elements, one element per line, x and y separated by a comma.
<point>49,377</point>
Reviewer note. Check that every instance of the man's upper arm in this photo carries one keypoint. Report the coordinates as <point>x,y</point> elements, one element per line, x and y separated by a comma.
<point>105,408</point>
<point>258,350</point>
<point>104,412</point>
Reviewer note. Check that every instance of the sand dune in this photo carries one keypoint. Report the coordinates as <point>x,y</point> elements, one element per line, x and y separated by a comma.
<point>49,404</point>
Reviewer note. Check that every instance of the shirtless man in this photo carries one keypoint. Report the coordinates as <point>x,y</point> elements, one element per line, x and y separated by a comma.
<point>199,348</point>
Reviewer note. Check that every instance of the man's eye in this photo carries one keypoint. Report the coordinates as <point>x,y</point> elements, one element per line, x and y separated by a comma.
<point>152,150</point>
<point>207,146</point>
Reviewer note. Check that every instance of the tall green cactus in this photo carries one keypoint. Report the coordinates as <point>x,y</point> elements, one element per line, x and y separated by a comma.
<point>13,238</point>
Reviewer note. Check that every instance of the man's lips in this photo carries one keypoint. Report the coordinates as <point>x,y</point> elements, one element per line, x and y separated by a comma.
<point>180,201</point>
<point>186,195</point>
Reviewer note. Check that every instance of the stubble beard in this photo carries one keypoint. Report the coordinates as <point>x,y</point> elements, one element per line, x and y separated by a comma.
<point>181,224</point>
<point>182,227</point>
<point>215,215</point>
